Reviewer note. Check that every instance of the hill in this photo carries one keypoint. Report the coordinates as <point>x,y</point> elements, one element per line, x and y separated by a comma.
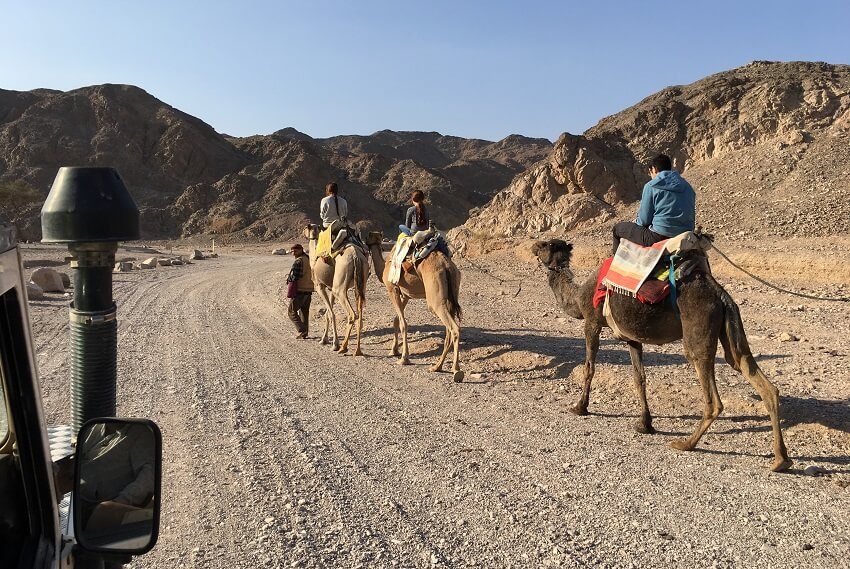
<point>188,179</point>
<point>765,145</point>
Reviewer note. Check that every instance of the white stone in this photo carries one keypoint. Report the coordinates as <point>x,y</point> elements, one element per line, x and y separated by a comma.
<point>48,279</point>
<point>149,263</point>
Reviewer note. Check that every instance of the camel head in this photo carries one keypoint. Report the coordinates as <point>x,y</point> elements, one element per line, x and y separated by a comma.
<point>553,254</point>
<point>373,238</point>
<point>311,231</point>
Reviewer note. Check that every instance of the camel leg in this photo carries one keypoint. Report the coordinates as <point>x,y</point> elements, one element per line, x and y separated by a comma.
<point>394,347</point>
<point>352,316</point>
<point>402,300</point>
<point>742,361</point>
<point>458,373</point>
<point>446,345</point>
<point>452,340</point>
<point>704,367</point>
<point>360,302</point>
<point>332,313</point>
<point>399,303</point>
<point>592,330</point>
<point>644,424</point>
<point>770,396</point>
<point>323,294</point>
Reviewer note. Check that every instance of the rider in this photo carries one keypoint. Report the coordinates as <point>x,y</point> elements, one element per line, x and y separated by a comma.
<point>667,207</point>
<point>334,211</point>
<point>416,218</point>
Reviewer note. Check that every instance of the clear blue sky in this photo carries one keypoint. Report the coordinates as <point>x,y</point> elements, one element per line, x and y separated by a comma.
<point>481,69</point>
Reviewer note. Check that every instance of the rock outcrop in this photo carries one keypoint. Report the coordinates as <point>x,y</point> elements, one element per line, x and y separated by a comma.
<point>765,146</point>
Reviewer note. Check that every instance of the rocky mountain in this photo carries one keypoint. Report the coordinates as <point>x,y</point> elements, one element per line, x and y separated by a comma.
<point>766,146</point>
<point>188,179</point>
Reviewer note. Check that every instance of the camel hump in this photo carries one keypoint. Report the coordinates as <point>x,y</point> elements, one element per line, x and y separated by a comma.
<point>688,241</point>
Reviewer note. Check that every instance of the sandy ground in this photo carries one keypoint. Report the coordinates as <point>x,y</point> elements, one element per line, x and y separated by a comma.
<point>281,453</point>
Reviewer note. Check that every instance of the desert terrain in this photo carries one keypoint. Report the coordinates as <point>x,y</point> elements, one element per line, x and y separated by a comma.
<point>281,453</point>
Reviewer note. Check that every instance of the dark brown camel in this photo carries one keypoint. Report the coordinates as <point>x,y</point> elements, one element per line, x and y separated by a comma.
<point>706,313</point>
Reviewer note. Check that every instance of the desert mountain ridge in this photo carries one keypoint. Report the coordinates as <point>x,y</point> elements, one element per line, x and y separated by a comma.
<point>189,179</point>
<point>766,146</point>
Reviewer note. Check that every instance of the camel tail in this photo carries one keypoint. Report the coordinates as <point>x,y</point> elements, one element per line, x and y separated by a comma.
<point>359,283</point>
<point>735,346</point>
<point>451,297</point>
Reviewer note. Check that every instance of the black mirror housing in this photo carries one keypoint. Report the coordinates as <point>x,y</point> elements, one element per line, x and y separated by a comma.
<point>117,480</point>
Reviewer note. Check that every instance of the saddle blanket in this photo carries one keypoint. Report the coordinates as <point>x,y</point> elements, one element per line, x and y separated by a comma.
<point>323,245</point>
<point>632,265</point>
<point>652,291</point>
<point>402,247</point>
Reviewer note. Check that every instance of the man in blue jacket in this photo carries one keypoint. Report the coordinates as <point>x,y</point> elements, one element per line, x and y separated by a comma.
<point>667,207</point>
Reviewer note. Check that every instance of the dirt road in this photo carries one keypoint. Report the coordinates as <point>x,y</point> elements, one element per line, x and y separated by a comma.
<point>279,452</point>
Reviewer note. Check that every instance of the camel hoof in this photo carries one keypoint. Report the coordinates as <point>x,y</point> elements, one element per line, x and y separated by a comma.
<point>580,411</point>
<point>644,429</point>
<point>681,444</point>
<point>458,376</point>
<point>435,368</point>
<point>781,464</point>
<point>358,353</point>
<point>342,351</point>
<point>404,362</point>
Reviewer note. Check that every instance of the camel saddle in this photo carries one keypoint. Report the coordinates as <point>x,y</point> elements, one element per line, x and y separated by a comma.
<point>683,254</point>
<point>410,250</point>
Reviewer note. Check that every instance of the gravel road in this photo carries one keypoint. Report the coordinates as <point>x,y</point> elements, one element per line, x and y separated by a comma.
<point>280,453</point>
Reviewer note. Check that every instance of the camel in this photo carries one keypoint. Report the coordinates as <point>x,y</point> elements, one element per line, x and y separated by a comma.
<point>350,269</point>
<point>706,313</point>
<point>437,280</point>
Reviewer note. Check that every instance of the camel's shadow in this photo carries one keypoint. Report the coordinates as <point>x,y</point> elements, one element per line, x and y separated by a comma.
<point>565,352</point>
<point>832,414</point>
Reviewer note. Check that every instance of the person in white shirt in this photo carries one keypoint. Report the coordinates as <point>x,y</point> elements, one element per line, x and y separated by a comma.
<point>333,207</point>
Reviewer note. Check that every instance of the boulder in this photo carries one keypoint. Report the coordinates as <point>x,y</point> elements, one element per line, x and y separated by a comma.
<point>66,280</point>
<point>177,262</point>
<point>197,255</point>
<point>48,279</point>
<point>149,263</point>
<point>123,267</point>
<point>278,251</point>
<point>163,262</point>
<point>34,292</point>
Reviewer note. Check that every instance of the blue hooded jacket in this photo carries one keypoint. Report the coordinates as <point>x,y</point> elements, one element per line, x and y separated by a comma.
<point>668,204</point>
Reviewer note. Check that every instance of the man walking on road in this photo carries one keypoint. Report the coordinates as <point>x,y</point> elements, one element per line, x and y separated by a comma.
<point>299,303</point>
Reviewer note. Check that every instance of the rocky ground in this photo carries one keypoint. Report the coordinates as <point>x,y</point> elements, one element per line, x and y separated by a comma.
<point>279,452</point>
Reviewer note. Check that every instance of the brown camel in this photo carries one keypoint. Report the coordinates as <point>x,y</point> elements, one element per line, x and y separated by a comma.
<point>706,313</point>
<point>350,269</point>
<point>437,280</point>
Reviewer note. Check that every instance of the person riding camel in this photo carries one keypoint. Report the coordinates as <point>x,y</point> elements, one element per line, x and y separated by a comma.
<point>416,218</point>
<point>667,207</point>
<point>333,211</point>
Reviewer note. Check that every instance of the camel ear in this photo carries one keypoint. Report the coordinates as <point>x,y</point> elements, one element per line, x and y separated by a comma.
<point>536,246</point>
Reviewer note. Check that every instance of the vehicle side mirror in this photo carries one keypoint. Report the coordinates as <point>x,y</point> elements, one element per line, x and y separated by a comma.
<point>117,480</point>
